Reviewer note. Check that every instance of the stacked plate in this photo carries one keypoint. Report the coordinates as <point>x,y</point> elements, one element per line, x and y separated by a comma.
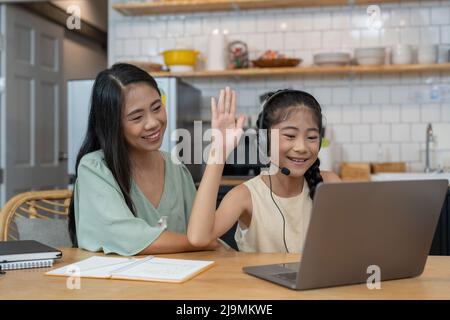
<point>332,59</point>
<point>370,56</point>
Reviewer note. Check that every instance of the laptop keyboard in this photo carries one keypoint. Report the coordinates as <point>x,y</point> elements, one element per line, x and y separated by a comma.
<point>289,276</point>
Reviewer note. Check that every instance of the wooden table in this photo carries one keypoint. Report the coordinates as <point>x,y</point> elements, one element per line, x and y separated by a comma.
<point>223,281</point>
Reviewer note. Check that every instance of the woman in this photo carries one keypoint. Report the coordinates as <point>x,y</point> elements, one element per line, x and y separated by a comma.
<point>126,189</point>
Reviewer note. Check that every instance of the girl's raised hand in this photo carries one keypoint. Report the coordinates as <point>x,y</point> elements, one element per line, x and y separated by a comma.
<point>226,129</point>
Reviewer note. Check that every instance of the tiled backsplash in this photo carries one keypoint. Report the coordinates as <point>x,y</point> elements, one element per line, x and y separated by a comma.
<point>369,117</point>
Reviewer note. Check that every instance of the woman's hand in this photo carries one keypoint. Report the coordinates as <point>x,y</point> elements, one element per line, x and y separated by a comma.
<point>226,130</point>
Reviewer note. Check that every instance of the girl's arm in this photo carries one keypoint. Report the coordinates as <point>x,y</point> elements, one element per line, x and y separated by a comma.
<point>172,242</point>
<point>226,132</point>
<point>236,203</point>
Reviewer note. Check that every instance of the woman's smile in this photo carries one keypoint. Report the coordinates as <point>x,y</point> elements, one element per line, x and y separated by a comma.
<point>152,137</point>
<point>145,118</point>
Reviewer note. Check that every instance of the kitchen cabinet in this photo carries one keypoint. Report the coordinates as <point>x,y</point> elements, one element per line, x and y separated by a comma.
<point>313,70</point>
<point>184,6</point>
<point>441,241</point>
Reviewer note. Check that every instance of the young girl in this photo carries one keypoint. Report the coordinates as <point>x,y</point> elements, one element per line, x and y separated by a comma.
<point>272,210</point>
<point>126,188</point>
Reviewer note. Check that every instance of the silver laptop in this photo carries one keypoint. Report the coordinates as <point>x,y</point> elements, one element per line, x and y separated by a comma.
<point>356,226</point>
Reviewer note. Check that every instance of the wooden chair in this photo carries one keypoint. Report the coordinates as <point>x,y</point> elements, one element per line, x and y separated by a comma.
<point>42,205</point>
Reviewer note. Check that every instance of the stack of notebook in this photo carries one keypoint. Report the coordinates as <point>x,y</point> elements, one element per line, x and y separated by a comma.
<point>26,254</point>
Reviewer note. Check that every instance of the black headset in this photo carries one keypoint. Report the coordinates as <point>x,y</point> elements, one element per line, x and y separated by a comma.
<point>262,140</point>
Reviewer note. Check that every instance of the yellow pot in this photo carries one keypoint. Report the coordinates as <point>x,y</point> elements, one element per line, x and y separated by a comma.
<point>180,57</point>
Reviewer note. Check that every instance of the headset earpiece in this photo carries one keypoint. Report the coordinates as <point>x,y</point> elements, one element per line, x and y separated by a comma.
<point>262,147</point>
<point>261,138</point>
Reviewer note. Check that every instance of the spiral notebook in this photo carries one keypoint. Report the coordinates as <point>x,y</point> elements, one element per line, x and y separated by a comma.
<point>26,250</point>
<point>26,264</point>
<point>143,269</point>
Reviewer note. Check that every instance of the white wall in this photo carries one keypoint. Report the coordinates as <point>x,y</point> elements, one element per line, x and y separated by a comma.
<point>369,115</point>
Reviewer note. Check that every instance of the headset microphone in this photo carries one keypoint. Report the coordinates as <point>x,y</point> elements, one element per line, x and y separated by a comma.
<point>283,170</point>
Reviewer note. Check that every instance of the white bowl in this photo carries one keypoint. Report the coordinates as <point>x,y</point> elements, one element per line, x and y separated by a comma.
<point>427,54</point>
<point>370,52</point>
<point>366,55</point>
<point>431,49</point>
<point>426,58</point>
<point>402,54</point>
<point>402,48</point>
<point>402,59</point>
<point>370,61</point>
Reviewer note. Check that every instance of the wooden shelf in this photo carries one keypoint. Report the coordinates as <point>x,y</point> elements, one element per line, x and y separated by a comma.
<point>260,72</point>
<point>189,6</point>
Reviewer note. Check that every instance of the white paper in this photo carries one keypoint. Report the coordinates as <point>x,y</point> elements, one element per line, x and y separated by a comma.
<point>164,269</point>
<point>148,268</point>
<point>100,267</point>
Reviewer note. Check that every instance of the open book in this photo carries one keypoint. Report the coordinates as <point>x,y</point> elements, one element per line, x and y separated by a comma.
<point>144,269</point>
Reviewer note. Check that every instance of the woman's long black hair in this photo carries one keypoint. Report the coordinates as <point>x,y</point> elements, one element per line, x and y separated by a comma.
<point>105,129</point>
<point>272,114</point>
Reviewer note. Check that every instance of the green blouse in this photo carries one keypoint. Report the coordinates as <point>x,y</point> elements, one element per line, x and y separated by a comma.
<point>104,221</point>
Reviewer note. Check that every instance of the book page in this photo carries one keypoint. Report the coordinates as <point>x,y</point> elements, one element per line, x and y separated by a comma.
<point>94,267</point>
<point>163,269</point>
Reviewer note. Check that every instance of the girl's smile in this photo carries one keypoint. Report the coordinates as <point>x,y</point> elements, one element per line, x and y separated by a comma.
<point>298,161</point>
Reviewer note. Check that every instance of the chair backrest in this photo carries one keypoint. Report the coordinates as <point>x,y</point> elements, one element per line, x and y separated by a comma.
<point>37,215</point>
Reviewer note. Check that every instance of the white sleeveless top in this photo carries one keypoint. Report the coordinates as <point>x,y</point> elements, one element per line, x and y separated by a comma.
<point>265,233</point>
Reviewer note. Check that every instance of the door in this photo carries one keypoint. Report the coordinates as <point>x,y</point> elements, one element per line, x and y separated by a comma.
<point>33,98</point>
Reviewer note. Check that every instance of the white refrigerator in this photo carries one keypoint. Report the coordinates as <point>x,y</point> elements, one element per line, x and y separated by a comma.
<point>182,100</point>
